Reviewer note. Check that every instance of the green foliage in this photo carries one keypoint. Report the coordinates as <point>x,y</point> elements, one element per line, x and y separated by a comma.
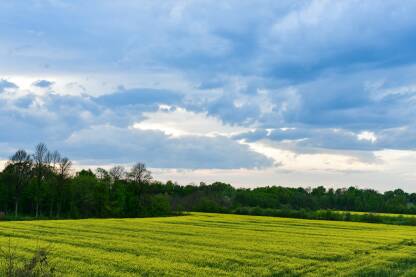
<point>41,185</point>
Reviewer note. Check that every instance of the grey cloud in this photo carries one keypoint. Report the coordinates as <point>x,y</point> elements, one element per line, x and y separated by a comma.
<point>4,84</point>
<point>141,96</point>
<point>87,130</point>
<point>107,144</point>
<point>43,84</point>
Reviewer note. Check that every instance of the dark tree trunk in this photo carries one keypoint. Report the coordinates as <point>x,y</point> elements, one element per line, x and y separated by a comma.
<point>37,208</point>
<point>16,207</point>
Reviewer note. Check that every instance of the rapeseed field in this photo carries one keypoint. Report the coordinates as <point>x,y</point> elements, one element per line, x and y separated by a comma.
<point>203,244</point>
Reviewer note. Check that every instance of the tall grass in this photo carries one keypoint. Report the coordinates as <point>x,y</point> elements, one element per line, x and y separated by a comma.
<point>36,265</point>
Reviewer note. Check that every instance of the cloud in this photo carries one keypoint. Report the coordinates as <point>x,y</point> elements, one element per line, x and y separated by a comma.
<point>330,79</point>
<point>45,117</point>
<point>6,85</point>
<point>179,122</point>
<point>304,140</point>
<point>366,135</point>
<point>43,84</point>
<point>292,160</point>
<point>287,40</point>
<point>348,35</point>
<point>109,144</point>
<point>81,128</point>
<point>140,96</point>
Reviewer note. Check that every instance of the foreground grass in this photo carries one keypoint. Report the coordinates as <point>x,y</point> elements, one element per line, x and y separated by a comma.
<point>213,244</point>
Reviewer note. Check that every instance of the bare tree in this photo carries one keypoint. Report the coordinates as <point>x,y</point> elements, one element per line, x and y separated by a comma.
<point>117,173</point>
<point>140,174</point>
<point>55,159</point>
<point>51,172</point>
<point>41,159</point>
<point>64,169</point>
<point>20,165</point>
<point>102,174</point>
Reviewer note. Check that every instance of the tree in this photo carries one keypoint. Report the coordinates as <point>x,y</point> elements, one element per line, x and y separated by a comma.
<point>117,173</point>
<point>19,166</point>
<point>54,158</point>
<point>41,159</point>
<point>52,170</point>
<point>140,174</point>
<point>102,174</point>
<point>64,169</point>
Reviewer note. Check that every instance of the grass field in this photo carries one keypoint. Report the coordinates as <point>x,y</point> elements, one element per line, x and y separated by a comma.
<point>216,245</point>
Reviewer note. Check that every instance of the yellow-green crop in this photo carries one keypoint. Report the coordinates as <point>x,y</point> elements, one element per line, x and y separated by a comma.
<point>217,245</point>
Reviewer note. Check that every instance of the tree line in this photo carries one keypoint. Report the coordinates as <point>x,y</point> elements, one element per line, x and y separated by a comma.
<point>43,184</point>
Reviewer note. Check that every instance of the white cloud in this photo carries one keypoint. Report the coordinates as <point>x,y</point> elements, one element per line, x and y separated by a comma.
<point>382,175</point>
<point>367,135</point>
<point>2,164</point>
<point>293,161</point>
<point>178,122</point>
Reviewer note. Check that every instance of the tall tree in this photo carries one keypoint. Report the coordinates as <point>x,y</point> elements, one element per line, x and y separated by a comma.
<point>105,178</point>
<point>41,159</point>
<point>52,171</point>
<point>19,166</point>
<point>140,174</point>
<point>64,171</point>
<point>117,173</point>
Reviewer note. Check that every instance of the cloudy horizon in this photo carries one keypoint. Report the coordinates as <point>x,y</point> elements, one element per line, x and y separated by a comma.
<point>293,93</point>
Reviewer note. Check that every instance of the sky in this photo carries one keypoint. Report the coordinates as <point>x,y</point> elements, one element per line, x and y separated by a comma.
<point>254,93</point>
